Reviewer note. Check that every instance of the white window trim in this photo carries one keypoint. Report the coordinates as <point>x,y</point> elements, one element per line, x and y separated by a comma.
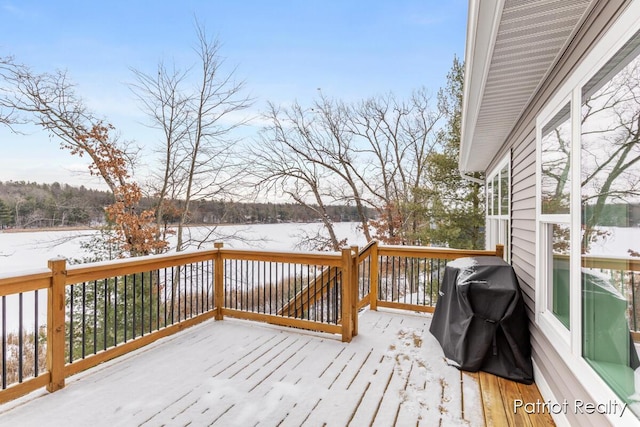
<point>558,334</point>
<point>618,34</point>
<point>505,162</point>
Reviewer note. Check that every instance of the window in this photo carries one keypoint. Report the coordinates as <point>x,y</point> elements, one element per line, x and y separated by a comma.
<point>588,217</point>
<point>498,207</point>
<point>554,218</point>
<point>610,198</point>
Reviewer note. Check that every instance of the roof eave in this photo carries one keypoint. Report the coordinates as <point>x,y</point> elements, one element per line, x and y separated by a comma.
<point>481,41</point>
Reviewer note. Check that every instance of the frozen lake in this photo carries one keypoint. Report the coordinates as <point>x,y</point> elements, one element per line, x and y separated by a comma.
<point>23,251</point>
<point>32,250</point>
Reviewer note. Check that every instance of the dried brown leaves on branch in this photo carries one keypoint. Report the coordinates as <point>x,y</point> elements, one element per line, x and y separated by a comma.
<point>136,231</point>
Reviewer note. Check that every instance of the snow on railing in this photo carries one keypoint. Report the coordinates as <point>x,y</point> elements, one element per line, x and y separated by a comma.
<point>83,315</point>
<point>60,321</point>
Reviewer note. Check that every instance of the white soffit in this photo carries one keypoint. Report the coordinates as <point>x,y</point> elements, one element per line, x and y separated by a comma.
<point>511,44</point>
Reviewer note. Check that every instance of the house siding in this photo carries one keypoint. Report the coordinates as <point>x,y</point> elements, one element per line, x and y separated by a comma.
<point>521,144</point>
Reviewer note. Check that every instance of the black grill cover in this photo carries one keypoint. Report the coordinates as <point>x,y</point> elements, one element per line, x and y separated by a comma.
<point>480,319</point>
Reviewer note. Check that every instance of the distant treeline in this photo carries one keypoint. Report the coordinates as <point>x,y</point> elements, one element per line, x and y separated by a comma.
<point>33,205</point>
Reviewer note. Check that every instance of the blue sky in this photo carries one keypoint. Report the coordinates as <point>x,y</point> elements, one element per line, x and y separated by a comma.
<point>284,50</point>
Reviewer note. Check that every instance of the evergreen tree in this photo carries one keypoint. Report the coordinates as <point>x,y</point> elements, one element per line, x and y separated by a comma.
<point>6,215</point>
<point>454,205</point>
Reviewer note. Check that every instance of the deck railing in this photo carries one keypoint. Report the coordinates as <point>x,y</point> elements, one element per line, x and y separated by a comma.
<point>409,277</point>
<point>58,321</point>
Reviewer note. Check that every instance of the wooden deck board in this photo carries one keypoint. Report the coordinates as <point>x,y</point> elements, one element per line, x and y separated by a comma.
<point>242,373</point>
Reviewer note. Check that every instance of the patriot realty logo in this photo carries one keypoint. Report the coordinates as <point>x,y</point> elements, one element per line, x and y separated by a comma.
<point>612,407</point>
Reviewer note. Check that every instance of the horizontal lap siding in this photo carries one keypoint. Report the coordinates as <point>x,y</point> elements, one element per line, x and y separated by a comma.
<point>523,211</point>
<point>521,144</point>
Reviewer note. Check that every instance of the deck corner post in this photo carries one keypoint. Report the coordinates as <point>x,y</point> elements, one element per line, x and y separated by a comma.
<point>355,288</point>
<point>500,251</point>
<point>218,281</point>
<point>374,275</point>
<point>346,295</point>
<point>56,324</point>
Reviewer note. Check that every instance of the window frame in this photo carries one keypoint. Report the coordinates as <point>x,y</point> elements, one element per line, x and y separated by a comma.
<point>559,334</point>
<point>570,346</point>
<point>495,234</point>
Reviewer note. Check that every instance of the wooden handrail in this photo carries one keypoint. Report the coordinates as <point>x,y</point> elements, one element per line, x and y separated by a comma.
<point>431,252</point>
<point>99,270</point>
<point>34,280</point>
<point>59,276</point>
<point>312,258</point>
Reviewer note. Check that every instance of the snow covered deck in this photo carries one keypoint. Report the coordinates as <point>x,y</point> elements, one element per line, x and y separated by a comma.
<point>241,373</point>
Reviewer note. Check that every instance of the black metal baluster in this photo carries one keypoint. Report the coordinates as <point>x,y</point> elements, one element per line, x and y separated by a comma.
<point>150,301</point>
<point>157,300</point>
<point>267,302</point>
<point>440,272</point>
<point>115,312</point>
<point>126,303</point>
<point>20,337</point>
<point>245,280</point>
<point>338,295</point>
<point>178,292</point>
<point>633,300</point>
<point>165,297</point>
<point>84,318</point>
<point>70,325</point>
<point>315,292</point>
<point>280,287</point>
<point>190,289</point>
<point>423,263</point>
<point>134,333</point>
<point>201,281</point>
<point>95,316</point>
<point>36,370</point>
<point>106,314</point>
<point>253,286</point>
<point>142,310</point>
<point>386,279</point>
<point>184,279</point>
<point>173,302</point>
<point>4,342</point>
<point>208,281</point>
<point>235,282</point>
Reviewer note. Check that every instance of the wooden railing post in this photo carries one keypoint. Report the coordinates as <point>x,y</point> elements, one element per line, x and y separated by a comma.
<point>55,324</point>
<point>218,280</point>
<point>500,251</point>
<point>346,295</point>
<point>374,277</point>
<point>355,287</point>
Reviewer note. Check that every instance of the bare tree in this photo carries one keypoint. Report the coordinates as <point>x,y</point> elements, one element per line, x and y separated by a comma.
<point>196,110</point>
<point>373,154</point>
<point>331,146</point>
<point>395,140</point>
<point>283,164</point>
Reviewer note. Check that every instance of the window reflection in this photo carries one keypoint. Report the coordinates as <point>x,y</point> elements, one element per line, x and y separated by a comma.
<point>559,295</point>
<point>610,194</point>
<point>555,154</point>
